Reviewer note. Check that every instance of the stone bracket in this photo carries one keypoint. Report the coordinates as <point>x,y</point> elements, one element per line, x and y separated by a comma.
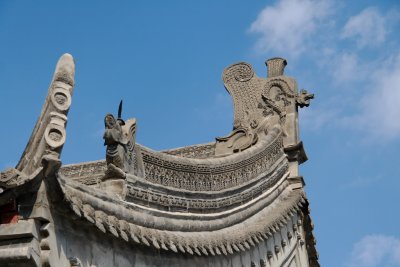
<point>296,153</point>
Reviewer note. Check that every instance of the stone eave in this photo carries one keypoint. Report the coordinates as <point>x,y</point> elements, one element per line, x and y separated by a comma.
<point>310,239</point>
<point>21,184</point>
<point>115,216</point>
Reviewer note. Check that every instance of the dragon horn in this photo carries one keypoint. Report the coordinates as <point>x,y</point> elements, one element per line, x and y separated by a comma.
<point>120,110</point>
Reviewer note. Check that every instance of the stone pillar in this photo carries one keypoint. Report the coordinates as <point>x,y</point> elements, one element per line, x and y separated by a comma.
<point>275,66</point>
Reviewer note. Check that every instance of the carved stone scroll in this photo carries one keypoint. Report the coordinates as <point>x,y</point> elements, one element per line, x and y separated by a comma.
<point>244,87</point>
<point>242,84</point>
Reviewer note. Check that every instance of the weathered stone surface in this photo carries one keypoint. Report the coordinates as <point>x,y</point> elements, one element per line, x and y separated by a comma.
<point>20,253</point>
<point>238,201</point>
<point>49,134</point>
<point>19,244</point>
<point>18,230</point>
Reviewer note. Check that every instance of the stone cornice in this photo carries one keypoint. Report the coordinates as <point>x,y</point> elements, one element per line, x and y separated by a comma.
<point>185,232</point>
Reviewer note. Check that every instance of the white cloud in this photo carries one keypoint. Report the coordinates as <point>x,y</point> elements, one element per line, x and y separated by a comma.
<point>369,28</point>
<point>289,25</point>
<point>6,165</point>
<point>376,251</point>
<point>365,86</point>
<point>380,107</point>
<point>221,106</point>
<point>360,182</point>
<point>368,100</point>
<point>346,68</point>
<point>313,119</point>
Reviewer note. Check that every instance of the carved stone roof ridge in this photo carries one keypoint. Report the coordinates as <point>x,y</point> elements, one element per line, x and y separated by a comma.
<point>239,195</point>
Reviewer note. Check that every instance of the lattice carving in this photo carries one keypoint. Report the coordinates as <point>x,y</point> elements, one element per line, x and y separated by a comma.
<point>195,151</point>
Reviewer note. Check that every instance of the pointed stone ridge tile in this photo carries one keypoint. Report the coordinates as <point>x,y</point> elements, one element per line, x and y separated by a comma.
<point>42,153</point>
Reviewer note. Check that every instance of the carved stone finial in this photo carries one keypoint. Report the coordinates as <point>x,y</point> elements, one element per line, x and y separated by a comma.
<point>276,66</point>
<point>49,135</point>
<point>303,99</point>
<point>119,137</point>
<point>121,121</point>
<point>115,142</point>
<point>122,156</point>
<point>258,104</point>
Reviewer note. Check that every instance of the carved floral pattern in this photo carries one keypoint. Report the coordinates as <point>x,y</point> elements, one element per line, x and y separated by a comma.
<point>172,202</point>
<point>209,178</point>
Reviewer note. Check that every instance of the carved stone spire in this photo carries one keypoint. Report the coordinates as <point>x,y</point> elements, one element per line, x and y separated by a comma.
<point>49,134</point>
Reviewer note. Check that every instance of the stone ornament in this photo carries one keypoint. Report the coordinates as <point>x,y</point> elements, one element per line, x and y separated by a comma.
<point>259,104</point>
<point>55,134</point>
<point>115,141</point>
<point>242,72</point>
<point>121,153</point>
<point>303,99</point>
<point>49,135</point>
<point>61,97</point>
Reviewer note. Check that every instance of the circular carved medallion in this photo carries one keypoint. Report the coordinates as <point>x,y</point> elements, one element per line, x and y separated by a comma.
<point>54,135</point>
<point>61,99</point>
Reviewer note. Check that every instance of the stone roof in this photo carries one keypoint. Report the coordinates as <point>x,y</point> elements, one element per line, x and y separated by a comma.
<point>210,199</point>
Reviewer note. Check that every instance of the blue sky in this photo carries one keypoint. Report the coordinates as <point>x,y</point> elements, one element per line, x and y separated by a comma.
<point>165,59</point>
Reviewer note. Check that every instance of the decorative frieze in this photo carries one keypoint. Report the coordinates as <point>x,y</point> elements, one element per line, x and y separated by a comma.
<point>223,174</point>
<point>172,202</point>
<point>196,151</point>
